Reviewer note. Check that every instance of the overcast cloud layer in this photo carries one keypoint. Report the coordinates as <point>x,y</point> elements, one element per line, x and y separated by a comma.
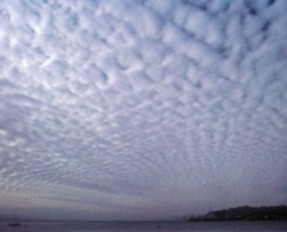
<point>142,109</point>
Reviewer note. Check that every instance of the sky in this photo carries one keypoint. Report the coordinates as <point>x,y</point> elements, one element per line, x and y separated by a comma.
<point>141,109</point>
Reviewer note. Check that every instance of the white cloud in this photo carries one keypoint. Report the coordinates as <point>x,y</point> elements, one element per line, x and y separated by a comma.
<point>137,105</point>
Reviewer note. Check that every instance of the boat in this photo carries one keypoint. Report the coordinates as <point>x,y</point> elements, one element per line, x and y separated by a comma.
<point>15,222</point>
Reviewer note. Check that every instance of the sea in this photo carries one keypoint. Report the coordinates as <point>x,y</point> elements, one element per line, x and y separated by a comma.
<point>146,226</point>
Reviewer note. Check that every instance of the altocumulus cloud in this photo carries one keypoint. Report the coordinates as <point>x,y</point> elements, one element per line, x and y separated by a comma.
<point>142,109</point>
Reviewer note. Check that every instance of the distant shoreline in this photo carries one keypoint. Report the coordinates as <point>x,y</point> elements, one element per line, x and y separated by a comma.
<point>245,213</point>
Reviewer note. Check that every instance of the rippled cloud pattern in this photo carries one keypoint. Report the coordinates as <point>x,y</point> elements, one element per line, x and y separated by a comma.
<point>142,109</point>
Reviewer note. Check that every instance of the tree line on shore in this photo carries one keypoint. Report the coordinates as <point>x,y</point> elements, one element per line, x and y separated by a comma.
<point>245,213</point>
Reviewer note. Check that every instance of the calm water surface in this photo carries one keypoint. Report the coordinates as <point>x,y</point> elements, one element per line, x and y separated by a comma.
<point>146,226</point>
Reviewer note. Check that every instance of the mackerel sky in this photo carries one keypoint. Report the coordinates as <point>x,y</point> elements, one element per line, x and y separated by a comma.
<point>142,109</point>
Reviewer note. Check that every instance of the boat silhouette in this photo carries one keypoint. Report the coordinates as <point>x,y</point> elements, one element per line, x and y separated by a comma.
<point>15,222</point>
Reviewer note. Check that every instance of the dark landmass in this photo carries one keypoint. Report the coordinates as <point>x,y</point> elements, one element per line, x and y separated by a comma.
<point>246,213</point>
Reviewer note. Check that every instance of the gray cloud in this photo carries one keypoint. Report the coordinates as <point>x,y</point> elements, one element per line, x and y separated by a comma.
<point>151,109</point>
